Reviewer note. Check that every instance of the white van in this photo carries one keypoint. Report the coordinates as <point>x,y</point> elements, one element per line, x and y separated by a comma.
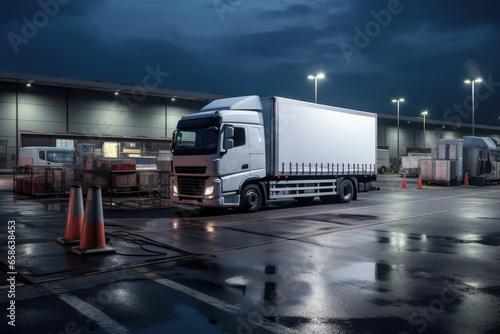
<point>46,156</point>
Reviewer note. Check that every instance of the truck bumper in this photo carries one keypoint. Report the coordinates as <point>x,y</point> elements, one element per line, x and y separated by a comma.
<point>215,202</point>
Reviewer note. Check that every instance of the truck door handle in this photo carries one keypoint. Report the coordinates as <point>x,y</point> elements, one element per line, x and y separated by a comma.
<point>245,166</point>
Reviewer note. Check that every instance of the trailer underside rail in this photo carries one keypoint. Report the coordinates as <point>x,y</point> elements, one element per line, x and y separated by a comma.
<point>287,189</point>
<point>326,169</point>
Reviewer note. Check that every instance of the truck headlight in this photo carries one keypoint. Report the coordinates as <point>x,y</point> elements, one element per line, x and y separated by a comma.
<point>209,190</point>
<point>176,193</point>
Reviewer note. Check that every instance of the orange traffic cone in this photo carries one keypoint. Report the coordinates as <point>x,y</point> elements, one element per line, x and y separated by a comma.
<point>404,180</point>
<point>466,180</point>
<point>419,182</point>
<point>92,240</point>
<point>74,219</point>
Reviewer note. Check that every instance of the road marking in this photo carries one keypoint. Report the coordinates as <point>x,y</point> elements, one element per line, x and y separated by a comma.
<point>101,318</point>
<point>217,303</point>
<point>223,306</point>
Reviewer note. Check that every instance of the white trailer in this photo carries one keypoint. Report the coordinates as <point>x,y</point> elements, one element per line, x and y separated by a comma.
<point>246,151</point>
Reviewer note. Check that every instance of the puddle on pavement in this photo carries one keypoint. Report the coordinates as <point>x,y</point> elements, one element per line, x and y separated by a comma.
<point>363,271</point>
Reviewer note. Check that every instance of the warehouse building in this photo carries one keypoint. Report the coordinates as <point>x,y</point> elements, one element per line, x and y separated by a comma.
<point>123,120</point>
<point>37,110</point>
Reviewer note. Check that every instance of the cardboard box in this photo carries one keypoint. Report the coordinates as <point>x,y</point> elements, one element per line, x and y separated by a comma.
<point>124,180</point>
<point>123,167</point>
<point>110,163</point>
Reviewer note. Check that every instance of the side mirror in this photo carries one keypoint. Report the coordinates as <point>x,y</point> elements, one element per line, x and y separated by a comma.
<point>228,132</point>
<point>228,137</point>
<point>214,129</point>
<point>228,144</point>
<point>174,140</point>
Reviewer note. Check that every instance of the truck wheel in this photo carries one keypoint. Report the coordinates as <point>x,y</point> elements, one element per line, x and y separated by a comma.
<point>346,191</point>
<point>382,170</point>
<point>250,198</point>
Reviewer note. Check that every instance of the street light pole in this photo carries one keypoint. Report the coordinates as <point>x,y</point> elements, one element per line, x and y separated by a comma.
<point>316,77</point>
<point>397,101</point>
<point>478,80</point>
<point>424,113</point>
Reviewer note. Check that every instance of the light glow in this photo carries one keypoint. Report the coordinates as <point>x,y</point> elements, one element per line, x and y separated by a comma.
<point>209,191</point>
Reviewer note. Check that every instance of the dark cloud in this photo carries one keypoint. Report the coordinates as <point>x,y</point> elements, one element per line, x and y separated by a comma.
<point>16,10</point>
<point>290,11</point>
<point>423,52</point>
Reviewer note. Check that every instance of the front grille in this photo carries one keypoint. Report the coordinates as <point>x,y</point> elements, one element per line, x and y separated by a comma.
<point>191,170</point>
<point>190,186</point>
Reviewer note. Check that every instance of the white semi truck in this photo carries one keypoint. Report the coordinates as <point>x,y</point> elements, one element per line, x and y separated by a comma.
<point>246,152</point>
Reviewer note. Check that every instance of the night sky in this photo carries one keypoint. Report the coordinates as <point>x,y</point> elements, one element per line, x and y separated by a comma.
<point>371,51</point>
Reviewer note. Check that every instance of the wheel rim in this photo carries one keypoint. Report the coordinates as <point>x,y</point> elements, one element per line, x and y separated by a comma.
<point>252,198</point>
<point>347,191</point>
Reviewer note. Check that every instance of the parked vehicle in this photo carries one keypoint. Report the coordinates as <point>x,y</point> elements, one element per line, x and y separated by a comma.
<point>478,157</point>
<point>46,156</point>
<point>481,159</point>
<point>382,161</point>
<point>246,152</point>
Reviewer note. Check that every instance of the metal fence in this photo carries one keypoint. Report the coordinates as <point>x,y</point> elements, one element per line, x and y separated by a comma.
<point>38,181</point>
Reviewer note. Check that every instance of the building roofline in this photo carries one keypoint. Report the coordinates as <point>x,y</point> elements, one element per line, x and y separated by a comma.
<point>432,121</point>
<point>84,84</point>
<point>94,85</point>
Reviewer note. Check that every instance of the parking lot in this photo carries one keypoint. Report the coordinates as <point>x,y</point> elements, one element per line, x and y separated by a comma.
<point>395,261</point>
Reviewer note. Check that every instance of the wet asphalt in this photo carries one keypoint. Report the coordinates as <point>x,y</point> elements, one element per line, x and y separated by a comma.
<point>395,261</point>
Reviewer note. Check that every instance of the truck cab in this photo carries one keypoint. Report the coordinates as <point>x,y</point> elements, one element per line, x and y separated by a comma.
<point>217,151</point>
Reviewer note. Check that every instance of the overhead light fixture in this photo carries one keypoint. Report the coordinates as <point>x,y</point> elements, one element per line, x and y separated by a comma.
<point>315,78</point>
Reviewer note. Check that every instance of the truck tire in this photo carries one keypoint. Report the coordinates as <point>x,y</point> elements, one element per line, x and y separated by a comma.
<point>382,170</point>
<point>250,198</point>
<point>346,191</point>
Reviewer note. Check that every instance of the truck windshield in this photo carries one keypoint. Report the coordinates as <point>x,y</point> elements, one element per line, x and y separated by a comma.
<point>197,136</point>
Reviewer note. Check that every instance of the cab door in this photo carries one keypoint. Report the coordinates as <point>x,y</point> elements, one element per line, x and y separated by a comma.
<point>235,162</point>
